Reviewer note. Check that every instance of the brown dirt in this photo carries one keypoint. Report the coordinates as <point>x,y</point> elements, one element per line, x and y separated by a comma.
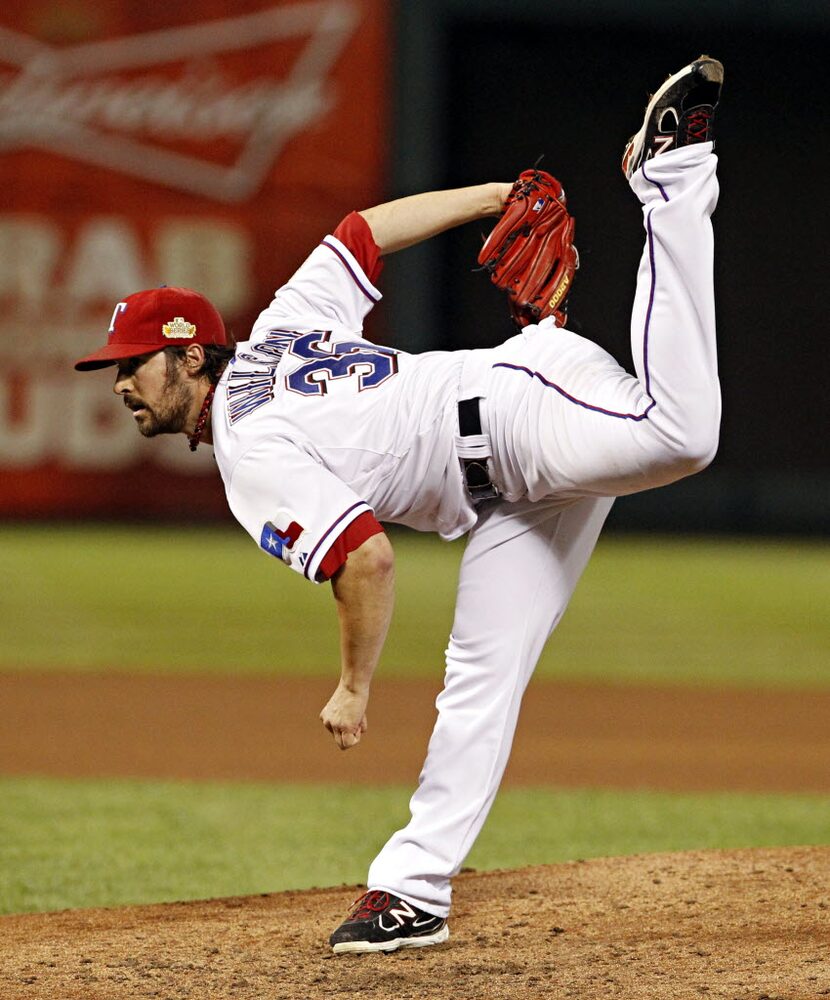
<point>741,925</point>
<point>570,735</point>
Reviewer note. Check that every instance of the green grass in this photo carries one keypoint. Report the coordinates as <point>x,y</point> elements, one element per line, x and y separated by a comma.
<point>747,612</point>
<point>91,843</point>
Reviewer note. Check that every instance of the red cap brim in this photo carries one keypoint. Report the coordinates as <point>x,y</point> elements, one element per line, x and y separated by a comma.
<point>111,354</point>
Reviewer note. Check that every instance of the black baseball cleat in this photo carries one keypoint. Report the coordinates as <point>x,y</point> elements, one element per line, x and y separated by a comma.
<point>379,921</point>
<point>681,113</point>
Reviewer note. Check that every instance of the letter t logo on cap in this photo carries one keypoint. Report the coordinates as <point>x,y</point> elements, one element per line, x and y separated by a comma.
<point>121,307</point>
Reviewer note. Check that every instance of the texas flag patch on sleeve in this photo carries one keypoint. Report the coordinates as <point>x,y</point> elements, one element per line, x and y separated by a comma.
<point>280,542</point>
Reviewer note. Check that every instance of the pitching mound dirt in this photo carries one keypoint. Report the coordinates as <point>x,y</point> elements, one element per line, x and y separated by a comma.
<point>746,925</point>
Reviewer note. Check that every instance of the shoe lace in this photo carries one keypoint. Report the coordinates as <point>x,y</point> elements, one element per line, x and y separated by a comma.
<point>369,904</point>
<point>697,123</point>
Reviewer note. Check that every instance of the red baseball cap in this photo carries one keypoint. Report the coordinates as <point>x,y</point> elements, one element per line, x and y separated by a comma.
<point>152,320</point>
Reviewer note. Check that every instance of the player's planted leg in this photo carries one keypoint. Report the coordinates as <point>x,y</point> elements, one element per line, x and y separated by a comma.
<point>507,608</point>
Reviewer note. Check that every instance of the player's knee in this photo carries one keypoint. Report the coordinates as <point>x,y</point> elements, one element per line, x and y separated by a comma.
<point>693,451</point>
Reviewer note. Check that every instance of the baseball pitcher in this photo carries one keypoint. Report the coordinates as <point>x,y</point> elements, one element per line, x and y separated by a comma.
<point>321,436</point>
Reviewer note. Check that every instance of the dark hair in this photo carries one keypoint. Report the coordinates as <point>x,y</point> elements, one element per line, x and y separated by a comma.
<point>217,357</point>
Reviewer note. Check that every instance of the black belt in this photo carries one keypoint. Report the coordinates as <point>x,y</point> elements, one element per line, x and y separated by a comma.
<point>476,474</point>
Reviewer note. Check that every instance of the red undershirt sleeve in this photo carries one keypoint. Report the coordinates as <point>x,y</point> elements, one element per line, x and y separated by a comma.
<point>362,528</point>
<point>355,234</point>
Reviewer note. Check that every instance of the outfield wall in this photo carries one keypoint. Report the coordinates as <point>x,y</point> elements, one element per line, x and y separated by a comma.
<point>482,95</point>
<point>209,144</point>
<point>212,145</point>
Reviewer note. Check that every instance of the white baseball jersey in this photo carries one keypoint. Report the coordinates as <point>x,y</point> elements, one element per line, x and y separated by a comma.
<point>314,425</point>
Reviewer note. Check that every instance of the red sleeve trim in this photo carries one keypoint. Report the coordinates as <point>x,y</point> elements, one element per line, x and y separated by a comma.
<point>354,233</point>
<point>361,529</point>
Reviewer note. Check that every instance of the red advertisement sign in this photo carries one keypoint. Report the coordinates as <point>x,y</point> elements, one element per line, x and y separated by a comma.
<point>140,147</point>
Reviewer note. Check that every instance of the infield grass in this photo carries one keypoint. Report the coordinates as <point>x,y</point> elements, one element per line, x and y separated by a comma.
<point>648,609</point>
<point>93,843</point>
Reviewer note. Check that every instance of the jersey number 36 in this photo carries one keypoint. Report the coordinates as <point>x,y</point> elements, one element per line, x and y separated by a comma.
<point>371,365</point>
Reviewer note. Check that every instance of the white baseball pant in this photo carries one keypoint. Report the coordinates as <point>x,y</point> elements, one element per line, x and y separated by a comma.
<point>572,429</point>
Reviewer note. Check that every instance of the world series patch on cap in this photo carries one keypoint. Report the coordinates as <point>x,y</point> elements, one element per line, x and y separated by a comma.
<point>154,319</point>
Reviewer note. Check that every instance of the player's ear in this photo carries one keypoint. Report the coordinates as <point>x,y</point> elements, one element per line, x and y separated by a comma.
<point>194,359</point>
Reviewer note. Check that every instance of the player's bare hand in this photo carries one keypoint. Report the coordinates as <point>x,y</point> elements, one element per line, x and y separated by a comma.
<point>345,716</point>
<point>502,192</point>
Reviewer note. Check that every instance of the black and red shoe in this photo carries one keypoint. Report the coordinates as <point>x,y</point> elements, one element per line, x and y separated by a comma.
<point>380,921</point>
<point>681,113</point>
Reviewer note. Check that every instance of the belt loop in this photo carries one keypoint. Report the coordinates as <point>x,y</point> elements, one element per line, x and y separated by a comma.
<point>473,447</point>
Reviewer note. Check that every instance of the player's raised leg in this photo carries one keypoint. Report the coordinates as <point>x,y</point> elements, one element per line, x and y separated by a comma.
<point>561,410</point>
<point>672,170</point>
<point>519,570</point>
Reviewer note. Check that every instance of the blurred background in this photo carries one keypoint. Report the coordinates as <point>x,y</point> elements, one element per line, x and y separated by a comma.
<point>211,144</point>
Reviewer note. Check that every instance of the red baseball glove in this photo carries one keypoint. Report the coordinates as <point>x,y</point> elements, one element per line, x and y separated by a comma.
<point>530,253</point>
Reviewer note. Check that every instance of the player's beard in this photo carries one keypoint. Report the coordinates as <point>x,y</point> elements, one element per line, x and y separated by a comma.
<point>169,416</point>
